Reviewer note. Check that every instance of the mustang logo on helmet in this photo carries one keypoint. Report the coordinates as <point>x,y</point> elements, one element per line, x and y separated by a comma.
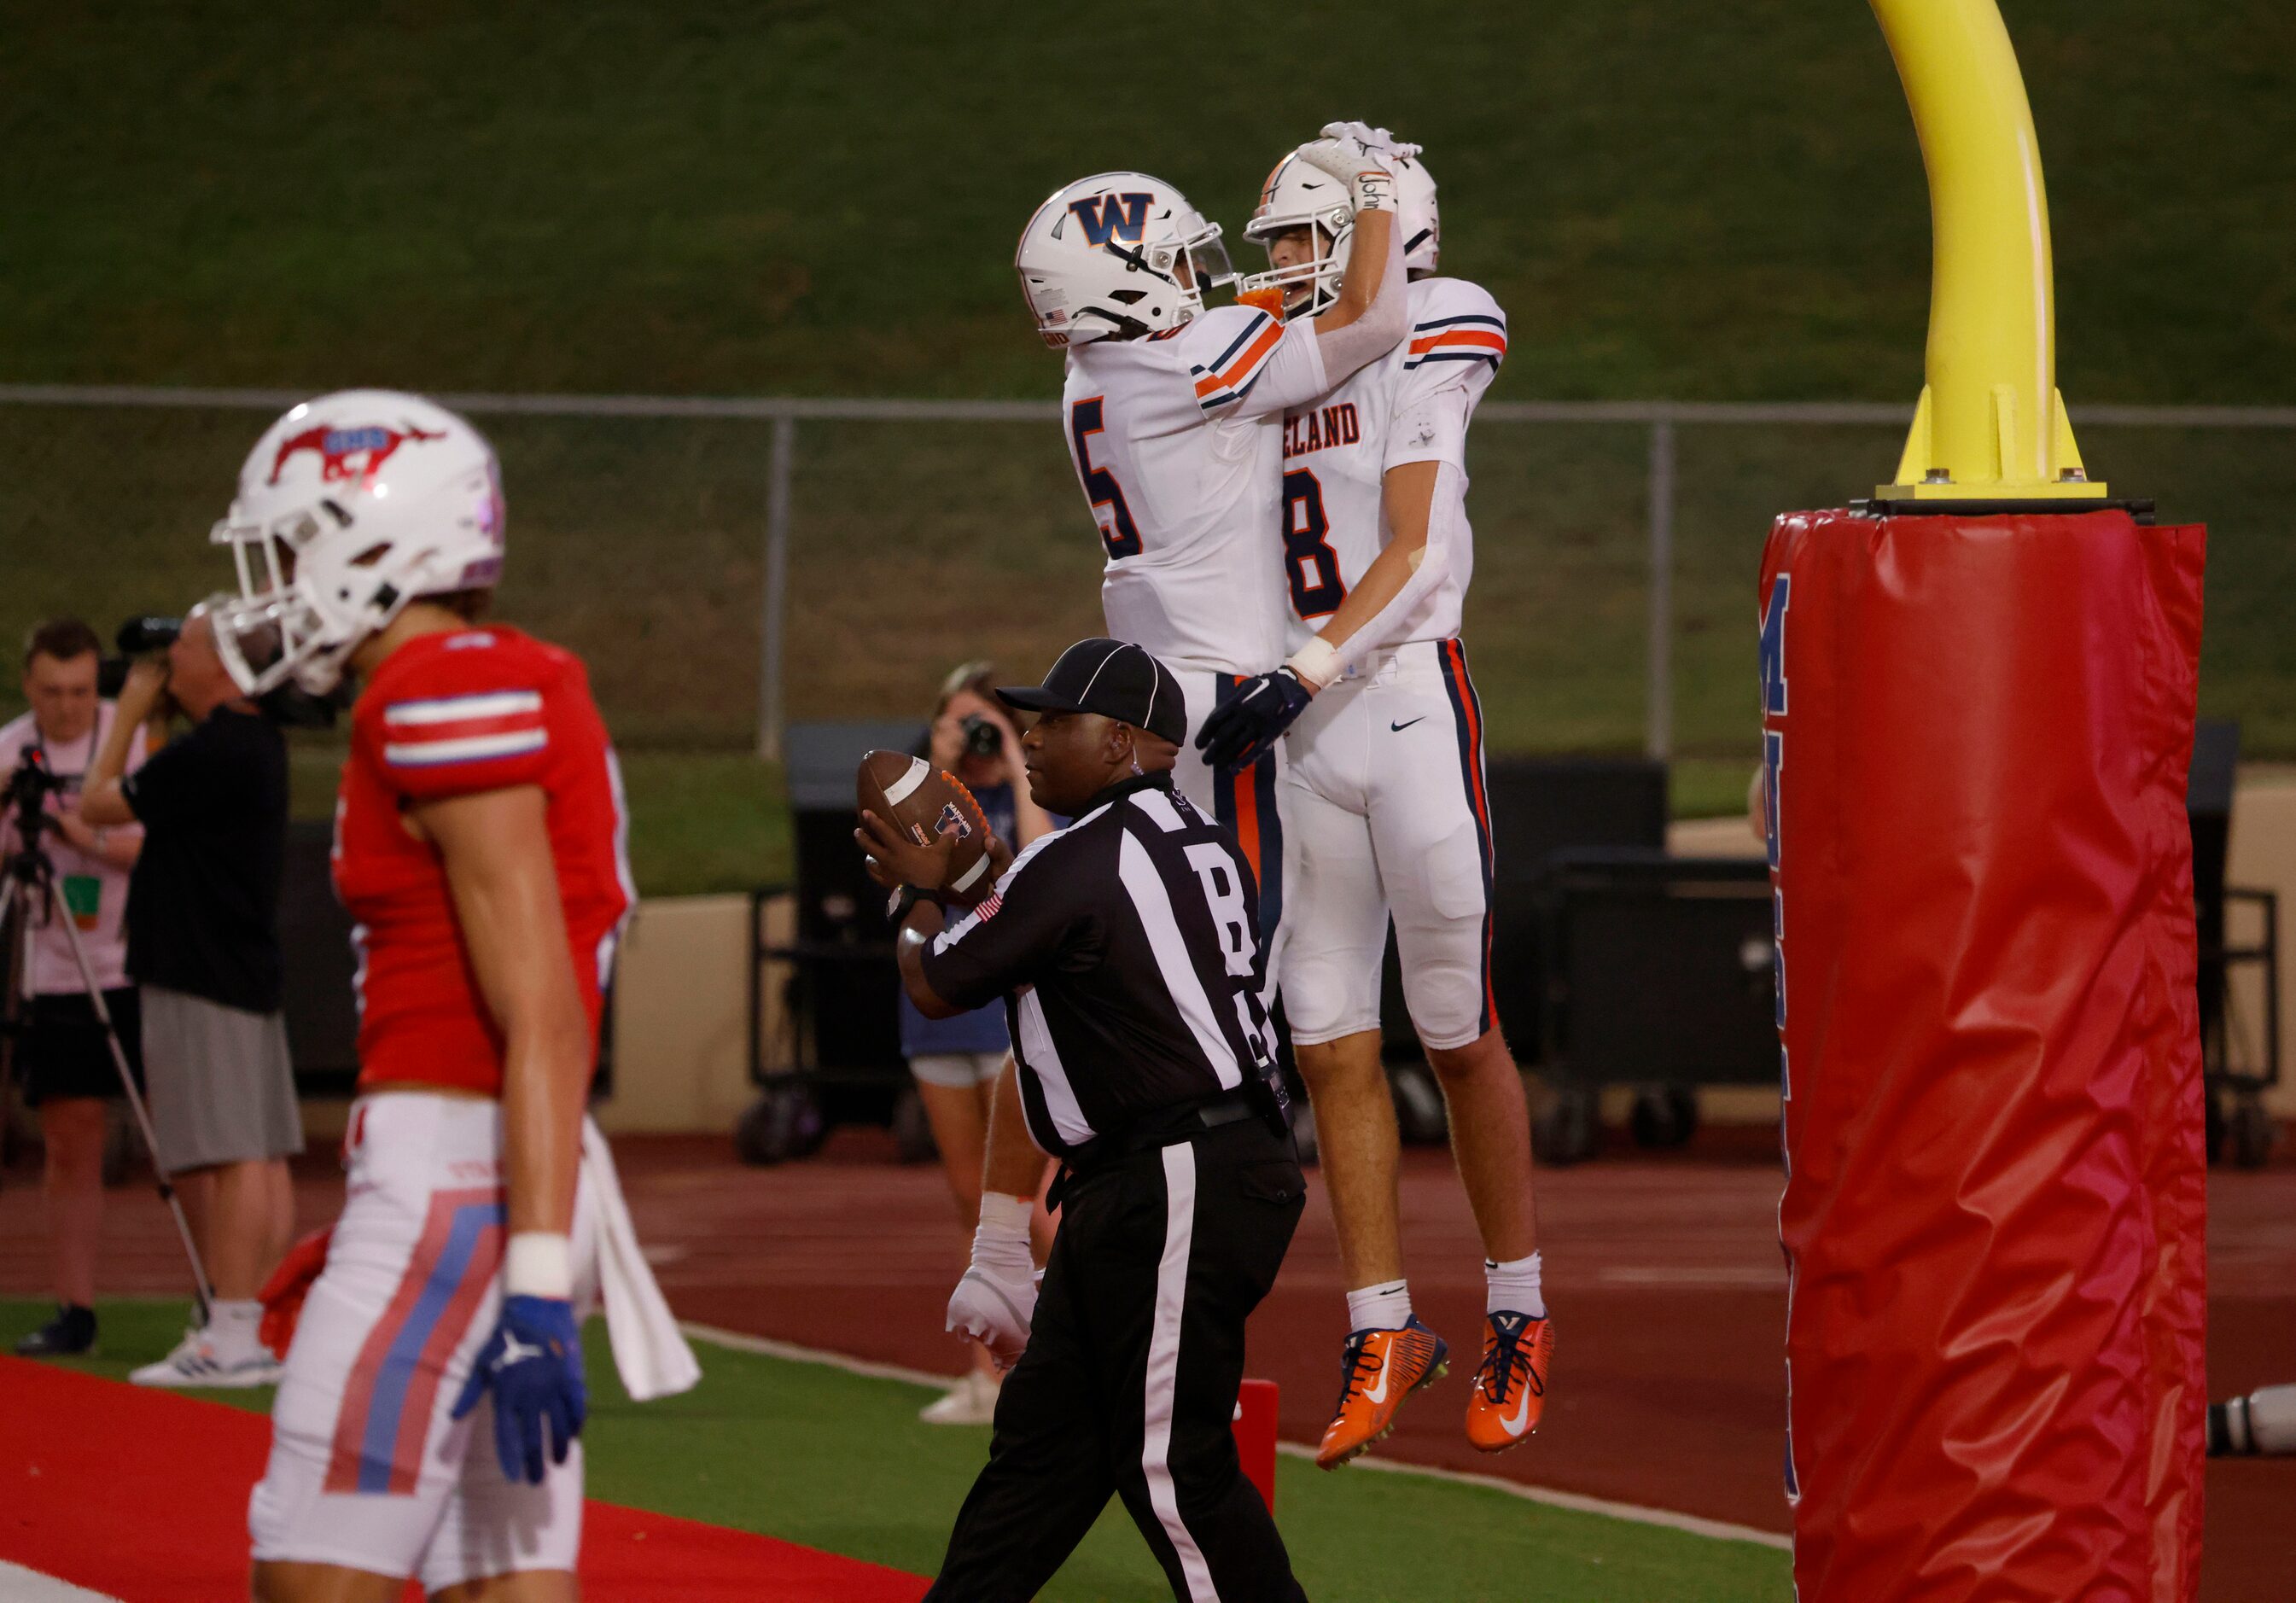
<point>1118,216</point>
<point>372,444</point>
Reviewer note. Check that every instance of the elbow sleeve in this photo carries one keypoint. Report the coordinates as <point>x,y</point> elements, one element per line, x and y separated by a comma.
<point>1446,520</point>
<point>1372,335</point>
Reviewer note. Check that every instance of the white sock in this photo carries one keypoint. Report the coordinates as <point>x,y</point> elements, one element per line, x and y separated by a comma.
<point>1512,1287</point>
<point>231,1325</point>
<point>1384,1307</point>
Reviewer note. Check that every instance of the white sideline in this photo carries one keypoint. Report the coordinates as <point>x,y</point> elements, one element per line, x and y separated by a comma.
<point>1576,1503</point>
<point>20,1585</point>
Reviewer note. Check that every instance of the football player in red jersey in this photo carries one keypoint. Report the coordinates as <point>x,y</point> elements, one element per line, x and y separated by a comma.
<point>479,848</point>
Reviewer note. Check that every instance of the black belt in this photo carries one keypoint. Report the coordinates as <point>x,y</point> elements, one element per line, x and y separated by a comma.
<point>1166,1127</point>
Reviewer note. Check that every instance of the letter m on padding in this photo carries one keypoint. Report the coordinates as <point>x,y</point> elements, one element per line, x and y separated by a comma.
<point>1106,218</point>
<point>1774,646</point>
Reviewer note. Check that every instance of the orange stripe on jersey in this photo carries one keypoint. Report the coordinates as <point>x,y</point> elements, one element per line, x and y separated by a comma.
<point>1226,377</point>
<point>1245,807</point>
<point>1481,339</point>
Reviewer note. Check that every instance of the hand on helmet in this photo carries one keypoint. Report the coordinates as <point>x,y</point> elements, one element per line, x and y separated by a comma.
<point>1371,187</point>
<point>1379,141</point>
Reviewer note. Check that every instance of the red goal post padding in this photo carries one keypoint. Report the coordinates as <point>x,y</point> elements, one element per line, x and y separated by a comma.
<point>1976,729</point>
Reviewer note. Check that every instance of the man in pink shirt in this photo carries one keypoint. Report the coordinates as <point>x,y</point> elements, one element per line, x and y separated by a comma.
<point>65,1065</point>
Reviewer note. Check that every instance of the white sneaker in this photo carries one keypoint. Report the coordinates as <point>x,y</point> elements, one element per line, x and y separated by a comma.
<point>971,1400</point>
<point>199,1359</point>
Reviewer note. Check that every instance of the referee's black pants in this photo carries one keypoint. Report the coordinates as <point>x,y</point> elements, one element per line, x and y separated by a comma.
<point>1129,1381</point>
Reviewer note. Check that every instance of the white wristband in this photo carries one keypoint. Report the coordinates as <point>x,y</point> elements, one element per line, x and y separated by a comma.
<point>1318,662</point>
<point>1006,1216</point>
<point>538,1263</point>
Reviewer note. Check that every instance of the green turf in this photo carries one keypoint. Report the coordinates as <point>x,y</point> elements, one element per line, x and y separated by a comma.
<point>814,1455</point>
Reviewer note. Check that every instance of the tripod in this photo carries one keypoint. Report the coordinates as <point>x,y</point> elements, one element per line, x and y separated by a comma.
<point>28,897</point>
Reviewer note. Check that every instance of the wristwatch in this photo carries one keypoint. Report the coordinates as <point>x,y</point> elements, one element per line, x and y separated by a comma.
<point>898,905</point>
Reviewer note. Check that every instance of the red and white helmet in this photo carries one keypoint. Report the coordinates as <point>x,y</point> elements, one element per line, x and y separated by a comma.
<point>1101,260</point>
<point>1300,195</point>
<point>350,506</point>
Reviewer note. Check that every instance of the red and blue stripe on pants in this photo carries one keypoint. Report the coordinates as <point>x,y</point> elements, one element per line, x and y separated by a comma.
<point>385,1423</point>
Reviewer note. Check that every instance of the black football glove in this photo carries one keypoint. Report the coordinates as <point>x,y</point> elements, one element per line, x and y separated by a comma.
<point>1242,727</point>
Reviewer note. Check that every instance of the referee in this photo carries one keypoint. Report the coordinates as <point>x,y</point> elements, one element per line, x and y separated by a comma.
<point>1127,948</point>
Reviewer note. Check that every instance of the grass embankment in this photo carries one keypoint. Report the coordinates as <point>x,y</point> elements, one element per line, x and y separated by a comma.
<point>691,198</point>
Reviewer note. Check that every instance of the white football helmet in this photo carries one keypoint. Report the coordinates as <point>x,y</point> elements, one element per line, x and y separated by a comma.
<point>1099,259</point>
<point>1298,195</point>
<point>350,506</point>
<point>1416,211</point>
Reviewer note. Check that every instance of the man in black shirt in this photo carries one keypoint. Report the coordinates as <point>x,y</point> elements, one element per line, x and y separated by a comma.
<point>1127,948</point>
<point>203,945</point>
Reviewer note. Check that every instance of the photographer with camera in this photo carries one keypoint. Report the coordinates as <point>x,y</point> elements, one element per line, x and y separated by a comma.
<point>60,1051</point>
<point>203,945</point>
<point>957,1060</point>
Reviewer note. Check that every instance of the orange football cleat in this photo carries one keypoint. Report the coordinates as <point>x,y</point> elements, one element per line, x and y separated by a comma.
<point>1381,1367</point>
<point>1511,1383</point>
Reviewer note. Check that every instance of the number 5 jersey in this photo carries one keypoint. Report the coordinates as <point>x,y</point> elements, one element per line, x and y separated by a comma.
<point>1176,439</point>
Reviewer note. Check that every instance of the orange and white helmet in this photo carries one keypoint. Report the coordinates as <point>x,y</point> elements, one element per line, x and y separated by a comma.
<point>1101,260</point>
<point>350,506</point>
<point>1298,194</point>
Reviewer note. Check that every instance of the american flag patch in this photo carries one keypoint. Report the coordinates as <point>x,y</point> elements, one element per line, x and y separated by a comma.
<point>482,728</point>
<point>987,908</point>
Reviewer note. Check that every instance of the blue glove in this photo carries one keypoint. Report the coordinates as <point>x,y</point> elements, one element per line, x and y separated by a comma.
<point>1242,727</point>
<point>533,1361</point>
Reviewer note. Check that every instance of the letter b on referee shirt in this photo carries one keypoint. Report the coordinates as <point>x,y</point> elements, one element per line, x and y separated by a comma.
<point>1224,895</point>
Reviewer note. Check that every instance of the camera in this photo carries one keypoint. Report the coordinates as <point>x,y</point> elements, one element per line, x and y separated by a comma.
<point>27,789</point>
<point>137,637</point>
<point>982,737</point>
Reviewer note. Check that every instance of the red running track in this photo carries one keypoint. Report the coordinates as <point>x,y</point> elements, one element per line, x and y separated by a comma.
<point>66,1433</point>
<point>1664,1275</point>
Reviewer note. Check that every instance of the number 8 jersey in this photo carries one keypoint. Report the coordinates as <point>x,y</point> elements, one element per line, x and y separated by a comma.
<point>1177,438</point>
<point>1412,405</point>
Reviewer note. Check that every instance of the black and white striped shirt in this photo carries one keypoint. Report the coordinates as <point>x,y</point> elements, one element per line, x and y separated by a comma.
<point>1127,946</point>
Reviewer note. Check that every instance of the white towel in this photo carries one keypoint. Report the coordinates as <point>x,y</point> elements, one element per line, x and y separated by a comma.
<point>649,1350</point>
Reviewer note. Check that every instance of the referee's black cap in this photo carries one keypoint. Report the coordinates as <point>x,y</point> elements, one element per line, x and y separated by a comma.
<point>1114,679</point>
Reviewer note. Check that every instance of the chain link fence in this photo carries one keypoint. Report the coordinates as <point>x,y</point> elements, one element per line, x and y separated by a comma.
<point>726,566</point>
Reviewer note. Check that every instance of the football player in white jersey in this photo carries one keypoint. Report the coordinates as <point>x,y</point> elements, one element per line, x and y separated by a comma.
<point>1383,794</point>
<point>1175,420</point>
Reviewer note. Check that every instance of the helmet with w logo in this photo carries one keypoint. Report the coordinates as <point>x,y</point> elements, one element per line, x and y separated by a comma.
<point>1116,256</point>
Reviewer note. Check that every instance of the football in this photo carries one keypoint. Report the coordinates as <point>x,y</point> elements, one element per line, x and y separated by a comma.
<point>921,802</point>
